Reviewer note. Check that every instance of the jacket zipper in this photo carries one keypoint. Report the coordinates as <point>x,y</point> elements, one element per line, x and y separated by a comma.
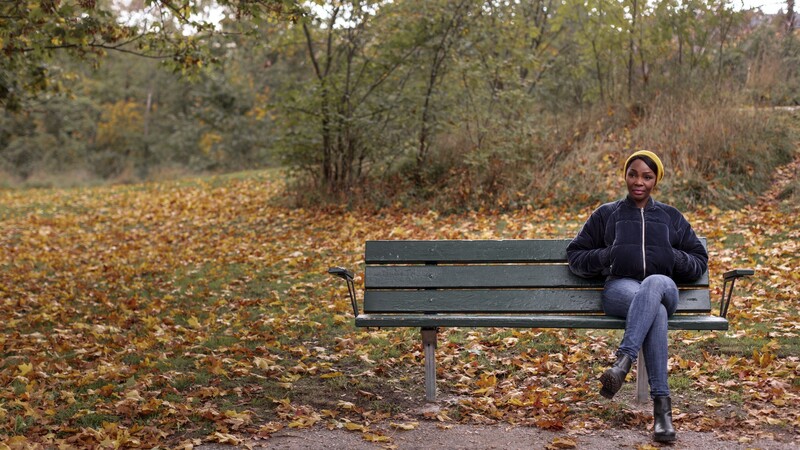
<point>644,260</point>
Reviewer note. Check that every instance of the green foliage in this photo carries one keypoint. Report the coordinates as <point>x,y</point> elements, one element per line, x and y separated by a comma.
<point>30,32</point>
<point>445,103</point>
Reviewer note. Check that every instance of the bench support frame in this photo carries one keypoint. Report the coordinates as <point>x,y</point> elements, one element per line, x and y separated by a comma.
<point>429,350</point>
<point>642,381</point>
<point>429,347</point>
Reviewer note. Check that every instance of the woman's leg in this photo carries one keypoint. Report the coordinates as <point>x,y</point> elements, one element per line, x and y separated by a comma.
<point>639,304</point>
<point>655,355</point>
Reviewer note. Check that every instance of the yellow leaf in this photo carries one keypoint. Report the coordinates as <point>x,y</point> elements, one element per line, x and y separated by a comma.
<point>404,426</point>
<point>17,442</point>
<point>193,322</point>
<point>261,363</point>
<point>225,438</point>
<point>24,369</point>
<point>305,421</point>
<point>345,405</point>
<point>370,437</point>
<point>271,427</point>
<point>331,375</point>
<point>483,391</point>
<point>355,427</point>
<point>714,403</point>
<point>237,415</point>
<point>774,421</point>
<point>133,395</point>
<point>561,442</point>
<point>646,447</point>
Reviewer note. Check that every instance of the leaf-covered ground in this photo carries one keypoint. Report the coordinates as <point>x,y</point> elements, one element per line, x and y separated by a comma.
<point>199,311</point>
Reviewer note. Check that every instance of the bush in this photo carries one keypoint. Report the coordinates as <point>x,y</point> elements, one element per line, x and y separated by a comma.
<point>714,153</point>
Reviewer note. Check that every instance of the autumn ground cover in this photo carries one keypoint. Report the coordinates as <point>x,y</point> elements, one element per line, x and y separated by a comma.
<point>170,314</point>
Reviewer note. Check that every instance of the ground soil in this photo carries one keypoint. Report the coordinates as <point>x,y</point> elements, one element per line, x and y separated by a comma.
<point>429,435</point>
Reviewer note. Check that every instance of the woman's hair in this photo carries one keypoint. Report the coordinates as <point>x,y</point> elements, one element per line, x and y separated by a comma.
<point>647,160</point>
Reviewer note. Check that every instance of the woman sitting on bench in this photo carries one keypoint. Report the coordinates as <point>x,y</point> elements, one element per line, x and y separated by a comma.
<point>643,247</point>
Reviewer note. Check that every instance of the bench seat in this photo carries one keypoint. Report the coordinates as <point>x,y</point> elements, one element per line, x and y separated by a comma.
<point>703,322</point>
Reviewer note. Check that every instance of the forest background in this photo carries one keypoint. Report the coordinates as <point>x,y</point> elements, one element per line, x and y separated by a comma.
<point>449,104</point>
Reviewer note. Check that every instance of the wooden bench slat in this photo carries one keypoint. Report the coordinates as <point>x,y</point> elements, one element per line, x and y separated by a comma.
<point>479,251</point>
<point>480,276</point>
<point>677,322</point>
<point>509,301</point>
<point>466,251</point>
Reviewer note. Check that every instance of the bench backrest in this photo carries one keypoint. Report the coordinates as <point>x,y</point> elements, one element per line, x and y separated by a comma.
<point>488,276</point>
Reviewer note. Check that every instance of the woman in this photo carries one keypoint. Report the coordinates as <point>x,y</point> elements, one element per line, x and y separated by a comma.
<point>643,247</point>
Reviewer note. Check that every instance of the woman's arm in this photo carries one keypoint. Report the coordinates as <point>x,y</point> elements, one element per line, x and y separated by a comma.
<point>587,254</point>
<point>691,258</point>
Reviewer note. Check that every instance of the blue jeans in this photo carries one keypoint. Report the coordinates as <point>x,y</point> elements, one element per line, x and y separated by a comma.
<point>645,305</point>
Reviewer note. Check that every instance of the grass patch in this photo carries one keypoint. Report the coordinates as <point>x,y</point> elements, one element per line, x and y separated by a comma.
<point>547,342</point>
<point>680,383</point>
<point>217,342</point>
<point>177,363</point>
<point>95,420</point>
<point>183,383</point>
<point>381,347</point>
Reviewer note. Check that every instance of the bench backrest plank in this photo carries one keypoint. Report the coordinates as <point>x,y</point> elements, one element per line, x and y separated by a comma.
<point>466,252</point>
<point>481,276</point>
<point>508,301</point>
<point>488,276</point>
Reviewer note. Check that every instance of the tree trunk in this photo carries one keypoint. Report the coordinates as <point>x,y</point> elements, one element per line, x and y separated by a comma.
<point>598,71</point>
<point>439,56</point>
<point>631,49</point>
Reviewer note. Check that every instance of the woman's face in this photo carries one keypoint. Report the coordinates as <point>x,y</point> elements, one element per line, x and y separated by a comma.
<point>641,180</point>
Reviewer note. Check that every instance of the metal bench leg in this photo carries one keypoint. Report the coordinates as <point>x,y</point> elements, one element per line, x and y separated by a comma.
<point>429,346</point>
<point>642,383</point>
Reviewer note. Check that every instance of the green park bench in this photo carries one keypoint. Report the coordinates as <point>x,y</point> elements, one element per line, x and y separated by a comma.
<point>500,283</point>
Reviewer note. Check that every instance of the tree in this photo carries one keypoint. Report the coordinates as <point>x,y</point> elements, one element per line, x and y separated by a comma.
<point>176,31</point>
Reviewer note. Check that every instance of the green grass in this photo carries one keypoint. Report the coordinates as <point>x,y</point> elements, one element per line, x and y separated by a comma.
<point>680,383</point>
<point>183,383</point>
<point>217,342</point>
<point>177,363</point>
<point>95,420</point>
<point>758,338</point>
<point>724,375</point>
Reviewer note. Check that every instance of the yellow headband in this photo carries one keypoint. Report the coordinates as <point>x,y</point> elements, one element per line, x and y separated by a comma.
<point>650,155</point>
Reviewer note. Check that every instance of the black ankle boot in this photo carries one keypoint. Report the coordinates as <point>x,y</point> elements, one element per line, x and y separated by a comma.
<point>663,431</point>
<point>614,377</point>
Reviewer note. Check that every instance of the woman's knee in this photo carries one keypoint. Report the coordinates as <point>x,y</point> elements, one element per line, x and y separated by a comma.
<point>668,289</point>
<point>661,281</point>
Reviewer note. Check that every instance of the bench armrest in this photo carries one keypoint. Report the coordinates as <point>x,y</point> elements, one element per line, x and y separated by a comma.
<point>348,276</point>
<point>737,273</point>
<point>730,277</point>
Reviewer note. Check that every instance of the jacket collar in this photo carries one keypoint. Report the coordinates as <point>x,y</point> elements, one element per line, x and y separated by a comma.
<point>629,201</point>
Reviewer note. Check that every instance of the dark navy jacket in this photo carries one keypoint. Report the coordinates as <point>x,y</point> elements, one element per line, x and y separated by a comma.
<point>622,240</point>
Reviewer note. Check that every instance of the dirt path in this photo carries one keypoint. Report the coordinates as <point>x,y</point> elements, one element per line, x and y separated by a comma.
<point>432,434</point>
<point>428,435</point>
